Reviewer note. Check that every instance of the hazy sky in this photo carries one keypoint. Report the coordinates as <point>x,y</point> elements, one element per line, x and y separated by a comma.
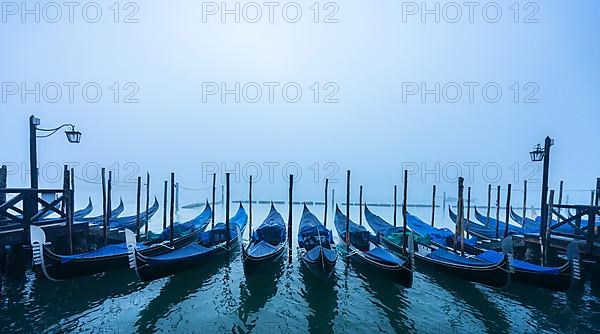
<point>493,89</point>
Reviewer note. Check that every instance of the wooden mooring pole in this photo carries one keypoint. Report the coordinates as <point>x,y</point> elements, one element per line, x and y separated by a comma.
<point>433,207</point>
<point>165,199</point>
<point>214,190</point>
<point>497,212</point>
<point>104,215</point>
<point>468,211</point>
<point>108,206</point>
<point>508,191</point>
<point>560,197</point>
<point>138,207</point>
<point>227,199</point>
<point>489,206</point>
<point>69,215</point>
<point>395,203</point>
<point>404,211</point>
<point>461,214</point>
<point>524,203</point>
<point>3,182</point>
<point>146,218</point>
<point>347,211</point>
<point>444,201</point>
<point>289,233</point>
<point>249,208</point>
<point>547,230</point>
<point>172,208</point>
<point>325,213</point>
<point>360,213</point>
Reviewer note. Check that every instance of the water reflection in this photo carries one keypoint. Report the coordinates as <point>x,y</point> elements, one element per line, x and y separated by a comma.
<point>177,289</point>
<point>256,290</point>
<point>321,297</point>
<point>468,294</point>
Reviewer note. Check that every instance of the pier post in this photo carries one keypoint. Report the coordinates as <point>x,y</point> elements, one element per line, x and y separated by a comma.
<point>172,208</point>
<point>333,203</point>
<point>138,207</point>
<point>524,203</point>
<point>560,196</point>
<point>104,211</point>
<point>444,201</point>
<point>146,218</point>
<point>508,191</point>
<point>433,207</point>
<point>547,228</point>
<point>404,211</point>
<point>249,209</point>
<point>497,211</point>
<point>165,198</point>
<point>73,190</point>
<point>289,234</point>
<point>592,197</point>
<point>3,176</point>
<point>108,205</point>
<point>325,213</point>
<point>395,204</point>
<point>214,190</point>
<point>360,213</point>
<point>347,211</point>
<point>489,206</point>
<point>67,200</point>
<point>177,196</point>
<point>461,215</point>
<point>228,199</point>
<point>468,211</point>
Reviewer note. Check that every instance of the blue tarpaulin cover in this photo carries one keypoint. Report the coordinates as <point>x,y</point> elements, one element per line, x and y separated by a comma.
<point>110,250</point>
<point>311,232</point>
<point>484,259</point>
<point>359,236</point>
<point>382,255</point>
<point>272,229</point>
<point>313,254</point>
<point>442,236</point>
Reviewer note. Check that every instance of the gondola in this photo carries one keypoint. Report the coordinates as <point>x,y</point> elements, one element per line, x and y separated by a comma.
<point>478,230</point>
<point>79,214</point>
<point>489,267</point>
<point>110,257</point>
<point>210,245</point>
<point>535,224</point>
<point>267,242</point>
<point>98,220</point>
<point>512,229</point>
<point>130,222</point>
<point>558,278</point>
<point>317,248</point>
<point>366,251</point>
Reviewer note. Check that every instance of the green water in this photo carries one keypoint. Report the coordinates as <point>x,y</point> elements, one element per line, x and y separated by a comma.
<point>219,298</point>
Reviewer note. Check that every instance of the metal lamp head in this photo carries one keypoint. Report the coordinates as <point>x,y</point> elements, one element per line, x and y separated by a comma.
<point>73,136</point>
<point>537,154</point>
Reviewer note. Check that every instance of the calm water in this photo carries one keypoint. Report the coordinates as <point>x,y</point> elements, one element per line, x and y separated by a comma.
<point>219,298</point>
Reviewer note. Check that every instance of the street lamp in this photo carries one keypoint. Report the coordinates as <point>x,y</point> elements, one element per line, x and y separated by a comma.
<point>73,136</point>
<point>539,154</point>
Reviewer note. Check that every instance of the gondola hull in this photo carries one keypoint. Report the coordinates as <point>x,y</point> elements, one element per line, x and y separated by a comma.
<point>255,263</point>
<point>58,269</point>
<point>495,275</point>
<point>559,282</point>
<point>151,272</point>
<point>401,274</point>
<point>322,267</point>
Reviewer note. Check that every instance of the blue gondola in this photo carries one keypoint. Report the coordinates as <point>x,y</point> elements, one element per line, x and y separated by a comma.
<point>365,250</point>
<point>316,245</point>
<point>489,268</point>
<point>267,242</point>
<point>210,245</point>
<point>110,257</point>
<point>559,278</point>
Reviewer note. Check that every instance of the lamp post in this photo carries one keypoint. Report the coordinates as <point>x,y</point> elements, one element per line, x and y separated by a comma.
<point>73,136</point>
<point>539,154</point>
